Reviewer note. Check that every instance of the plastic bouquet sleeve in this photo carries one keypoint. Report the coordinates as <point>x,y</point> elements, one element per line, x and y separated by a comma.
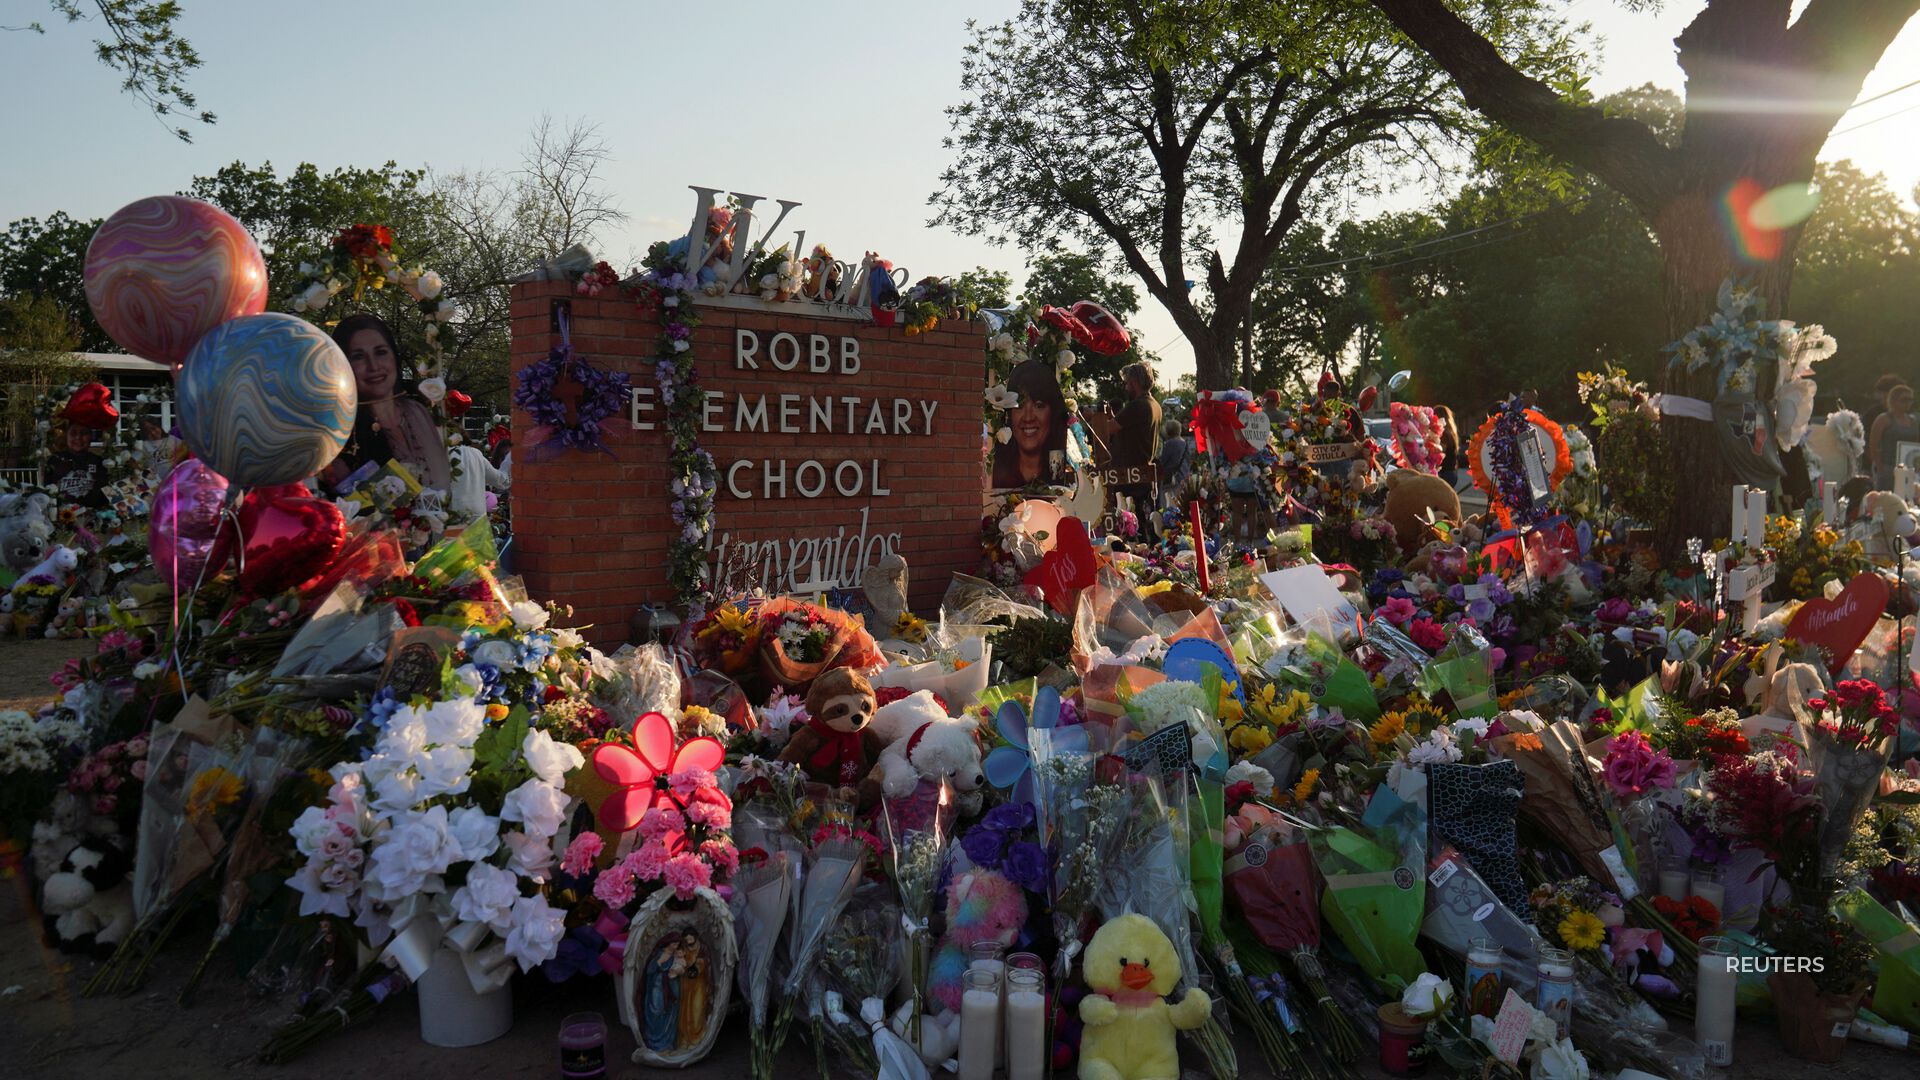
<point>1277,890</point>
<point>1896,945</point>
<point>1461,907</point>
<point>1563,800</point>
<point>1375,887</point>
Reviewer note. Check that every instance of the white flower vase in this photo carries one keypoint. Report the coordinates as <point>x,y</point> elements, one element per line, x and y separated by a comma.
<point>452,1013</point>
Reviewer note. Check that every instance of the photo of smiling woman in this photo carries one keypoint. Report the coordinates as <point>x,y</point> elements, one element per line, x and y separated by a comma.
<point>1037,453</point>
<point>393,423</point>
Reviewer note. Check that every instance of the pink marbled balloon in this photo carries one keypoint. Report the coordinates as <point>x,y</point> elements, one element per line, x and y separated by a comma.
<point>164,270</point>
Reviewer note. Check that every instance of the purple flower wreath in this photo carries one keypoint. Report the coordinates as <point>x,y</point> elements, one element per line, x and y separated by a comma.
<point>603,394</point>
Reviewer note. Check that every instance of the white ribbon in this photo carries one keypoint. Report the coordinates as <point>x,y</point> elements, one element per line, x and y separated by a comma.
<point>897,1059</point>
<point>422,926</point>
<point>1677,405</point>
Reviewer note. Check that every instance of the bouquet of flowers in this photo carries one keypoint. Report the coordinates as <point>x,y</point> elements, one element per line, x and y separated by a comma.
<point>1848,739</point>
<point>762,893</point>
<point>916,829</point>
<point>31,755</point>
<point>726,638</point>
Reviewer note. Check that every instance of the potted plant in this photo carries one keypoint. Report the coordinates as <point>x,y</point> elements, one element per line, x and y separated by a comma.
<point>1824,971</point>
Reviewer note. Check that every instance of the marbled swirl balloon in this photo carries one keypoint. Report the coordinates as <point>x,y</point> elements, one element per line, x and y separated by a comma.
<point>266,399</point>
<point>163,271</point>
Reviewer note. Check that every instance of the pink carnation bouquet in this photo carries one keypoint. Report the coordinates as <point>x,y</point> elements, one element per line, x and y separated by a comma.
<point>1633,767</point>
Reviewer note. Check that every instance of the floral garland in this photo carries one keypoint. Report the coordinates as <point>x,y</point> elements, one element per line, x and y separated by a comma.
<point>604,393</point>
<point>1494,459</point>
<point>362,257</point>
<point>1417,430</point>
<point>694,477</point>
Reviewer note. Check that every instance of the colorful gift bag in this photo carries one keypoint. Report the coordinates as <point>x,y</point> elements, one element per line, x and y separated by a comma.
<point>1896,993</point>
<point>1472,807</point>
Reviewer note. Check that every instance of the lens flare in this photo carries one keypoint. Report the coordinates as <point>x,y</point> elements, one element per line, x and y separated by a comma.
<point>1757,218</point>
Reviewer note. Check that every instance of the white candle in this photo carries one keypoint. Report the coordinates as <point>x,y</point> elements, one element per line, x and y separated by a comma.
<point>1738,527</point>
<point>979,1024</point>
<point>1673,884</point>
<point>1714,1001</point>
<point>991,962</point>
<point>1708,886</point>
<point>1026,1025</point>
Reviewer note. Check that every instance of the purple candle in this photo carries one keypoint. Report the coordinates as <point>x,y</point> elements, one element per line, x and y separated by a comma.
<point>583,1047</point>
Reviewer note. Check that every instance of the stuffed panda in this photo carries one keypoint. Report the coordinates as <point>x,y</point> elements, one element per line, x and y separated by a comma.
<point>88,902</point>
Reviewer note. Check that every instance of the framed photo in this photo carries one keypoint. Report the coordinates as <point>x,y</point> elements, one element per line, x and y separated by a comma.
<point>1908,454</point>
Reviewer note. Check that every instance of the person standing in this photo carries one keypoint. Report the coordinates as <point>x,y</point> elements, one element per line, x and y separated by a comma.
<point>1176,455</point>
<point>79,474</point>
<point>157,448</point>
<point>1136,436</point>
<point>1452,460</point>
<point>1879,404</point>
<point>473,477</point>
<point>1890,429</point>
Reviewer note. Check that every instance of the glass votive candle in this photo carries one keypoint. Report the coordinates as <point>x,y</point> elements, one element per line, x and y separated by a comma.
<point>1673,878</point>
<point>1709,884</point>
<point>583,1046</point>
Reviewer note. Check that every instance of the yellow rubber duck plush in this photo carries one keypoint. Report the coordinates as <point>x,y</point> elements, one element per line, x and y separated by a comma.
<point>1131,968</point>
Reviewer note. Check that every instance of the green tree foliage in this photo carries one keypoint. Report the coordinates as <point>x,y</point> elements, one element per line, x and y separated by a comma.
<point>47,257</point>
<point>38,344</point>
<point>1065,278</point>
<point>984,288</point>
<point>144,45</point>
<point>1858,274</point>
<point>1189,139</point>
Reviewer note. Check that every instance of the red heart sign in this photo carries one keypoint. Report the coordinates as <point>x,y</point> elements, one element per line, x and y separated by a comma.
<point>1839,625</point>
<point>1067,569</point>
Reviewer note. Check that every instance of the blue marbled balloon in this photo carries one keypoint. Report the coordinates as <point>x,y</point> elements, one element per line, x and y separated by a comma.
<point>266,399</point>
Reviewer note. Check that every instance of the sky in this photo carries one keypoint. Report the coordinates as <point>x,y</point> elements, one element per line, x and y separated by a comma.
<point>837,106</point>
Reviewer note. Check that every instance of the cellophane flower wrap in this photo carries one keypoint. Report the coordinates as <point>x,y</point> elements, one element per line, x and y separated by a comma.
<point>1376,885</point>
<point>1848,741</point>
<point>917,828</point>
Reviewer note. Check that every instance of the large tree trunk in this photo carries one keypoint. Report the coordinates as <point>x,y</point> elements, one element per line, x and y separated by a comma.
<point>1213,359</point>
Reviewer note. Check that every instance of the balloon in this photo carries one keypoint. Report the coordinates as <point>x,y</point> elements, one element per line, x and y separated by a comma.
<point>266,399</point>
<point>184,532</point>
<point>288,539</point>
<point>163,271</point>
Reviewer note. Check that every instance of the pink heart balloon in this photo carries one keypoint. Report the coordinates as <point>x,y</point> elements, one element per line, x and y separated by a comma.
<point>184,533</point>
<point>164,270</point>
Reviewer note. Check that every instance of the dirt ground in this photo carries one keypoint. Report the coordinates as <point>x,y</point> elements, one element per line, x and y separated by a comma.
<point>47,1030</point>
<point>26,664</point>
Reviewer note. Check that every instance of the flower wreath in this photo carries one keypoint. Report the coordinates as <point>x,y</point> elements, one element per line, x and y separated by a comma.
<point>1494,459</point>
<point>1417,430</point>
<point>604,393</point>
<point>362,257</point>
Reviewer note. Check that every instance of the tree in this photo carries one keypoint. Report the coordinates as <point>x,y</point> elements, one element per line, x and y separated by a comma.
<point>1764,89</point>
<point>1065,278</point>
<point>559,195</point>
<point>984,288</point>
<point>38,343</point>
<point>143,44</point>
<point>48,258</point>
<point>1184,134</point>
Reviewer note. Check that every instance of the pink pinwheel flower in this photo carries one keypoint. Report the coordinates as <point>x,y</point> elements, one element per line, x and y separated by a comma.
<point>640,771</point>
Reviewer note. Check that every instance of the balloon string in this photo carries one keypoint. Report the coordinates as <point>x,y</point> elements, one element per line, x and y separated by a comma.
<point>183,622</point>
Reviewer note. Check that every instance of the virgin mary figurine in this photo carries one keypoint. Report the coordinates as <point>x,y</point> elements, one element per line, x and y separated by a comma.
<point>660,1003</point>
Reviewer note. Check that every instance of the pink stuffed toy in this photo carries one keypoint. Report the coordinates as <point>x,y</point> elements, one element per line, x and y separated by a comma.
<point>982,905</point>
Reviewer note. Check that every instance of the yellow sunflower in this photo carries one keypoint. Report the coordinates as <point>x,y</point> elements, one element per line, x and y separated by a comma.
<point>1388,728</point>
<point>211,790</point>
<point>910,627</point>
<point>1582,930</point>
<point>1303,790</point>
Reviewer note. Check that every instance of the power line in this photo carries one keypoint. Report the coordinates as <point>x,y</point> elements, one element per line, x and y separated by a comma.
<point>1888,93</point>
<point>1409,247</point>
<point>1875,120</point>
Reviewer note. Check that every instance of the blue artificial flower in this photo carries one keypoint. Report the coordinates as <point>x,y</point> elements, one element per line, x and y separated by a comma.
<point>1010,767</point>
<point>1009,817</point>
<point>1026,866</point>
<point>986,847</point>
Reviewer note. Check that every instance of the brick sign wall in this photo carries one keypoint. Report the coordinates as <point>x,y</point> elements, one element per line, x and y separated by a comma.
<point>820,471</point>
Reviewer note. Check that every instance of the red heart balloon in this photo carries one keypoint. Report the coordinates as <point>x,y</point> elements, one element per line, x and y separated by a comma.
<point>1839,625</point>
<point>1067,569</point>
<point>458,404</point>
<point>288,539</point>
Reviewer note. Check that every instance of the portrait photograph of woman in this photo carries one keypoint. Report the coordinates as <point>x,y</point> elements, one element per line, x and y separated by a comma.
<point>1037,452</point>
<point>393,422</point>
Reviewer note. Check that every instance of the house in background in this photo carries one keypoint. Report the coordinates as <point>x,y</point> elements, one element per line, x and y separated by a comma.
<point>127,376</point>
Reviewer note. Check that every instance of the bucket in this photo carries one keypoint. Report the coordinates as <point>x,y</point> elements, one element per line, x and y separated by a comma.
<point>452,1014</point>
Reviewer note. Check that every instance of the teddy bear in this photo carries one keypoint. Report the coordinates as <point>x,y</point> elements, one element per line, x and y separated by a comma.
<point>918,739</point>
<point>1414,498</point>
<point>982,905</point>
<point>1130,969</point>
<point>26,528</point>
<point>28,606</point>
<point>70,620</point>
<point>88,902</point>
<point>939,1033</point>
<point>834,746</point>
